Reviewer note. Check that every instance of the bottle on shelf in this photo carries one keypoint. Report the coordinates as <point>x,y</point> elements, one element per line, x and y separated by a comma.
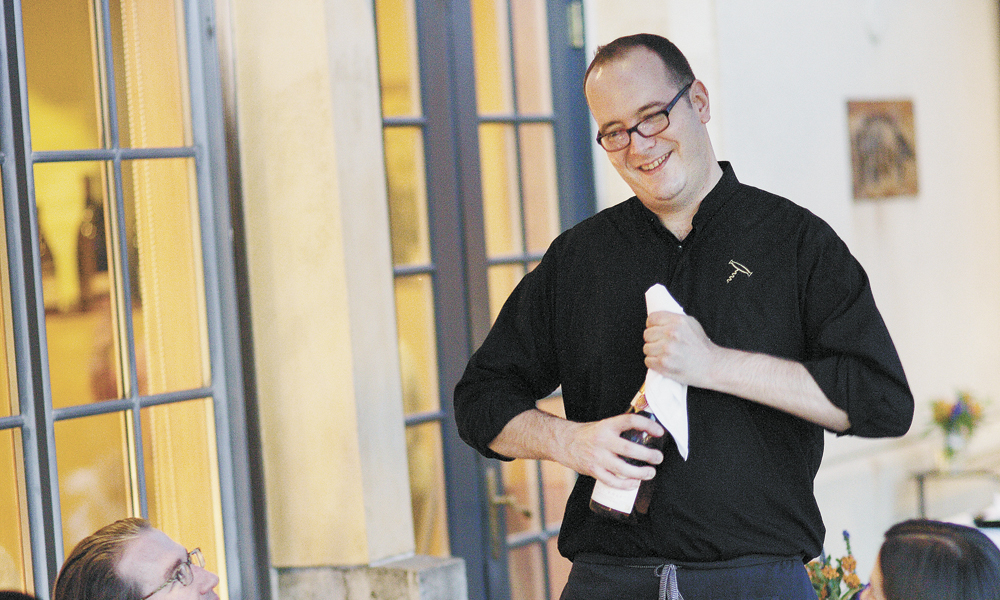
<point>620,504</point>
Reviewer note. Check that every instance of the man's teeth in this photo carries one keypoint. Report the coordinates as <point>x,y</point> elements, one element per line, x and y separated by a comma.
<point>652,165</point>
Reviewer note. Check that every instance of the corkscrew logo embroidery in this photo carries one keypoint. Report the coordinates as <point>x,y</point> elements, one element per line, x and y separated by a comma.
<point>738,268</point>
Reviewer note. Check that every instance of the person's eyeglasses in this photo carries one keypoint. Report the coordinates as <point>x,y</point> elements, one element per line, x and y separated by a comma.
<point>183,575</point>
<point>647,128</point>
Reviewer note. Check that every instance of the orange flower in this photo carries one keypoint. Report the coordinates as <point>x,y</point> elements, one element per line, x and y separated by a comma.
<point>849,564</point>
<point>829,572</point>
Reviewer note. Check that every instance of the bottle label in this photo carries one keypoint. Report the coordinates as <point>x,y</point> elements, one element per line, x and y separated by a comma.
<point>614,498</point>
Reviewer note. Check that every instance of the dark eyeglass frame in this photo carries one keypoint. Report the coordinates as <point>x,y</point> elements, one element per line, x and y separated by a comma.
<point>183,574</point>
<point>647,127</point>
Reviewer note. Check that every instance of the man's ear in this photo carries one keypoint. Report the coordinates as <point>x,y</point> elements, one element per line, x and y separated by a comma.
<point>699,100</point>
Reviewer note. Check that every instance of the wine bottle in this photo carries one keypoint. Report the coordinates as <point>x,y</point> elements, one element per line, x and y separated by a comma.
<point>620,504</point>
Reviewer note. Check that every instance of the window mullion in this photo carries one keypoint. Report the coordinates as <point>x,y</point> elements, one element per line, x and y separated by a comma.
<point>27,313</point>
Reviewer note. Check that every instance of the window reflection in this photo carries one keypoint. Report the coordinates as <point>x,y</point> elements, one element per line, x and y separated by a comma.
<point>427,491</point>
<point>15,568</point>
<point>165,270</point>
<point>60,66</point>
<point>94,458</point>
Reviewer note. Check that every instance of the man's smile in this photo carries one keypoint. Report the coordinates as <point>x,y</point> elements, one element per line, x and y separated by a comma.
<point>652,165</point>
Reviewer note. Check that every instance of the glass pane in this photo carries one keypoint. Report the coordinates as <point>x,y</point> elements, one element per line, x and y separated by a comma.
<point>404,167</point>
<point>165,267</point>
<point>69,198</point>
<point>15,549</point>
<point>520,479</point>
<point>501,194</point>
<point>93,457</point>
<point>84,362</point>
<point>150,73</point>
<point>60,65</point>
<point>182,477</point>
<point>527,573</point>
<point>417,343</point>
<point>399,69</point>
<point>559,567</point>
<point>427,492</point>
<point>491,44</point>
<point>531,56</point>
<point>538,181</point>
<point>502,280</point>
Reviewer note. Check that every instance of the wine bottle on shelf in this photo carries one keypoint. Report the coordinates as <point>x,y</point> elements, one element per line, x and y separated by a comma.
<point>620,504</point>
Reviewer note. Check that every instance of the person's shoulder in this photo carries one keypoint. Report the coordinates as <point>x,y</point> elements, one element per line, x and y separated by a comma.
<point>779,210</point>
<point>616,220</point>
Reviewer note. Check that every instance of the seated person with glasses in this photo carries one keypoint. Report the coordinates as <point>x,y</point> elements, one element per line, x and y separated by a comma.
<point>130,560</point>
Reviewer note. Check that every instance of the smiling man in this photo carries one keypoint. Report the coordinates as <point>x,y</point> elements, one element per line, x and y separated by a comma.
<point>130,560</point>
<point>780,340</point>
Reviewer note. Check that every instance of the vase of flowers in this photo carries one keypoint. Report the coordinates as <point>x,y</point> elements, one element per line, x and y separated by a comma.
<point>839,582</point>
<point>957,420</point>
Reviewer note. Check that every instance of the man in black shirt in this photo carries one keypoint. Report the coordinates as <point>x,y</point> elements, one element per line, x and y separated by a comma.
<point>781,339</point>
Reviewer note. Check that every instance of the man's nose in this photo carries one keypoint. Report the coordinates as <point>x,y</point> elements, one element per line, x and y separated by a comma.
<point>639,141</point>
<point>205,579</point>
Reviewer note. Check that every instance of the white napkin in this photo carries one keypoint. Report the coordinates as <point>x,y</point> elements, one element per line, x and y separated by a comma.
<point>666,397</point>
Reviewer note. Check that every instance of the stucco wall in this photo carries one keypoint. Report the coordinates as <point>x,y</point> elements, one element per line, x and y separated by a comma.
<point>321,282</point>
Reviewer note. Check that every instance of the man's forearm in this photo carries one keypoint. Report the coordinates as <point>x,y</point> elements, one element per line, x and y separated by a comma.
<point>594,448</point>
<point>776,382</point>
<point>531,434</point>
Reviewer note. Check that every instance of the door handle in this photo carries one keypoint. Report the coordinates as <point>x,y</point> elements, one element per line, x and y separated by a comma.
<point>496,501</point>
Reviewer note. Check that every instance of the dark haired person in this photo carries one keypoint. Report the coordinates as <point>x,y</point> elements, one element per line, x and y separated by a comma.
<point>130,560</point>
<point>781,340</point>
<point>933,560</point>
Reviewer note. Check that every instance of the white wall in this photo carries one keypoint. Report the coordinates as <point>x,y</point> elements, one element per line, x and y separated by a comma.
<point>779,74</point>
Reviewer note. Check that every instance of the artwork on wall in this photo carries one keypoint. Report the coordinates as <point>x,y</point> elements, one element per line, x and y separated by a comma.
<point>883,148</point>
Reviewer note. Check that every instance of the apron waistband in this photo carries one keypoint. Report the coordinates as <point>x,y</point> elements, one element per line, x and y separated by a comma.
<point>649,561</point>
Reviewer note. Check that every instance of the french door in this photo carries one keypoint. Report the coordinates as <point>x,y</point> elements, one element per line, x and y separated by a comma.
<point>488,157</point>
<point>121,370</point>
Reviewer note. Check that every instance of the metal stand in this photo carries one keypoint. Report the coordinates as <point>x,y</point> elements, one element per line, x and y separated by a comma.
<point>923,476</point>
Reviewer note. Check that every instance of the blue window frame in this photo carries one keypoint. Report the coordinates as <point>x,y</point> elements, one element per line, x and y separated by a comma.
<point>34,423</point>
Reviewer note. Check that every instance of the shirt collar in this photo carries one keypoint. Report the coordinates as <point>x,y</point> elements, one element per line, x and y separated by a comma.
<point>717,198</point>
<point>710,204</point>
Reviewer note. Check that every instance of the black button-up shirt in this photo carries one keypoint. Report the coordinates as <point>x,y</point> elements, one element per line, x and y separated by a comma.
<point>760,274</point>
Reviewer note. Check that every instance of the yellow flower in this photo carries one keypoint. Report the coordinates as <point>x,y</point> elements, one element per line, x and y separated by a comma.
<point>830,581</point>
<point>849,564</point>
<point>942,409</point>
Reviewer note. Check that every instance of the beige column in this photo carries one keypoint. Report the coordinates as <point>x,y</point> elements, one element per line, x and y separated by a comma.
<point>321,282</point>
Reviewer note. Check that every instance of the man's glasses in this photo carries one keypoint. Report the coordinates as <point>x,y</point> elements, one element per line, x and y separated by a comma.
<point>183,575</point>
<point>647,128</point>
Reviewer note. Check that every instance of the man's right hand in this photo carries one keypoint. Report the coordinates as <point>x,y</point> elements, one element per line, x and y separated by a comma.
<point>595,449</point>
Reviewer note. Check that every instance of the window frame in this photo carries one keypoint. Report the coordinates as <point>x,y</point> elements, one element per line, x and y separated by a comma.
<point>459,266</point>
<point>224,273</point>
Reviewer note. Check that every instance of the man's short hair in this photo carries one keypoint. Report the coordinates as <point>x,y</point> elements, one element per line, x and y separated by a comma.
<point>678,69</point>
<point>90,572</point>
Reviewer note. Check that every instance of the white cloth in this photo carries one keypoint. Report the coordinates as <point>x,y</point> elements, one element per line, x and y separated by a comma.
<point>666,397</point>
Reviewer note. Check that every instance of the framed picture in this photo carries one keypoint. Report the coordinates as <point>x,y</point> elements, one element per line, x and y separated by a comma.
<point>883,148</point>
